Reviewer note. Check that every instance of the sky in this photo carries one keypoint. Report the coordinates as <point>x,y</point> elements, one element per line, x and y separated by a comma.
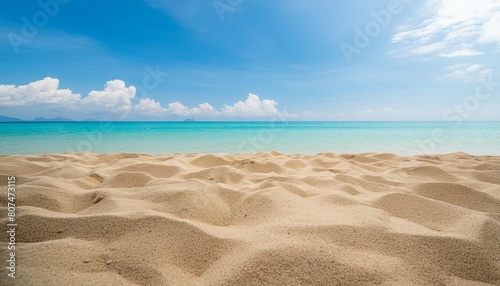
<point>250,59</point>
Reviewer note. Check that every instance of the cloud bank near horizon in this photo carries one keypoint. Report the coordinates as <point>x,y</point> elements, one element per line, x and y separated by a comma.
<point>116,97</point>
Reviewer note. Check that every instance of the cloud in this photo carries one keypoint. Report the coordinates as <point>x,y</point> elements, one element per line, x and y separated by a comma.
<point>178,108</point>
<point>378,112</point>
<point>252,106</point>
<point>192,14</point>
<point>461,53</point>
<point>367,112</point>
<point>15,40</point>
<point>149,106</point>
<point>204,109</point>
<point>451,28</point>
<point>467,71</point>
<point>45,91</point>
<point>115,96</point>
<point>391,110</point>
<point>426,49</point>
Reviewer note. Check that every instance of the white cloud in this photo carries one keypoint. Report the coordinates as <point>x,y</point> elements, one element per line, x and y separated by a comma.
<point>461,53</point>
<point>178,108</point>
<point>380,113</point>
<point>467,71</point>
<point>149,106</point>
<point>391,110</point>
<point>486,73</point>
<point>428,49</point>
<point>204,109</point>
<point>115,96</point>
<point>252,106</point>
<point>490,30</point>
<point>45,91</point>
<point>310,114</point>
<point>451,28</point>
<point>367,112</point>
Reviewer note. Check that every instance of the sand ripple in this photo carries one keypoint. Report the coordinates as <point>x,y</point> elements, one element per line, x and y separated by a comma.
<point>259,219</point>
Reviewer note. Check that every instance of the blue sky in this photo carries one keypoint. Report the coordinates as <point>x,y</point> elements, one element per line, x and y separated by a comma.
<point>250,59</point>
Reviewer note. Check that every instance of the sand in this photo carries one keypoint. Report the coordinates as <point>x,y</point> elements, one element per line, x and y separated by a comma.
<point>254,219</point>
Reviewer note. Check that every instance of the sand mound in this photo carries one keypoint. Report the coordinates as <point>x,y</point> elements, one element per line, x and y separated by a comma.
<point>127,180</point>
<point>259,219</point>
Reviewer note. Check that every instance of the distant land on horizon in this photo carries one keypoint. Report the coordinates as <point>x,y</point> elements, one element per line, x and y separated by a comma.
<point>37,119</point>
<point>56,119</point>
<point>60,119</point>
<point>7,119</point>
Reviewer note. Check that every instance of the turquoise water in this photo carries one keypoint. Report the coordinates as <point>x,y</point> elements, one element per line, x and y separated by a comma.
<point>404,138</point>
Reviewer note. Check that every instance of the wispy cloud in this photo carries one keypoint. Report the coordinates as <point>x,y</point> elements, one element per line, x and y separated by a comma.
<point>47,40</point>
<point>366,112</point>
<point>461,53</point>
<point>385,112</point>
<point>199,16</point>
<point>467,71</point>
<point>451,28</point>
<point>391,110</point>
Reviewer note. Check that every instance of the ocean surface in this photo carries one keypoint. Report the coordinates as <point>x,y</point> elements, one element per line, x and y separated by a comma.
<point>403,138</point>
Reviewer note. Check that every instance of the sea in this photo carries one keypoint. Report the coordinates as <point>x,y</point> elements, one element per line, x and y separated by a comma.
<point>402,138</point>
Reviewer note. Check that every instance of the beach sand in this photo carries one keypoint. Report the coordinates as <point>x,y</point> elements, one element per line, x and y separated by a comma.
<point>254,219</point>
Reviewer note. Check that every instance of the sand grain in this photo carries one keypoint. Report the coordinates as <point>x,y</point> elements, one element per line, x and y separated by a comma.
<point>255,219</point>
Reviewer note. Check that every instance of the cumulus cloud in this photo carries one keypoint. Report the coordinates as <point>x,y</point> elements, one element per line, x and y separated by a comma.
<point>252,106</point>
<point>149,106</point>
<point>451,28</point>
<point>204,109</point>
<point>115,96</point>
<point>45,91</point>
<point>178,108</point>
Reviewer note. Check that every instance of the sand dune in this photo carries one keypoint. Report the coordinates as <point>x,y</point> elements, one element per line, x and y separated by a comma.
<point>259,219</point>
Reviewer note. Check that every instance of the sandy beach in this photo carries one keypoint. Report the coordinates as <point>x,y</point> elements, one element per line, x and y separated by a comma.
<point>254,219</point>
